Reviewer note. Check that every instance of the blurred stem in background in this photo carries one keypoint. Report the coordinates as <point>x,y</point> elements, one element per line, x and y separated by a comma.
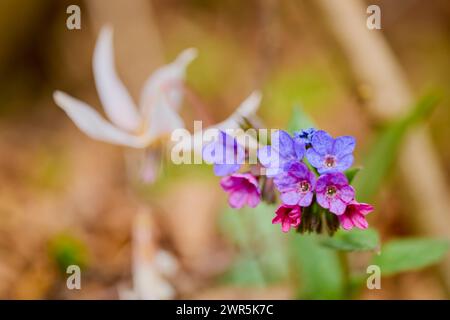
<point>376,68</point>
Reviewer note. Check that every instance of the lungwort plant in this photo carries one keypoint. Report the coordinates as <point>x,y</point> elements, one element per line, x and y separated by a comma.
<point>312,175</point>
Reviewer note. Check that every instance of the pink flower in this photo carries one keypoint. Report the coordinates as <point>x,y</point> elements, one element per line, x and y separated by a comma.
<point>354,215</point>
<point>288,216</point>
<point>242,188</point>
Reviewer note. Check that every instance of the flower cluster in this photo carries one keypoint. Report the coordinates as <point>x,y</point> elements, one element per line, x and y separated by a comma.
<point>308,170</point>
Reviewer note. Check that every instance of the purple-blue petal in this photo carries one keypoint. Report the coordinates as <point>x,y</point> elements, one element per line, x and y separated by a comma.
<point>265,155</point>
<point>305,199</point>
<point>290,198</point>
<point>343,145</point>
<point>208,152</point>
<point>299,149</point>
<point>284,144</point>
<point>314,158</point>
<point>299,170</point>
<point>337,206</point>
<point>285,182</point>
<point>322,142</point>
<point>225,169</point>
<point>344,162</point>
<point>338,179</point>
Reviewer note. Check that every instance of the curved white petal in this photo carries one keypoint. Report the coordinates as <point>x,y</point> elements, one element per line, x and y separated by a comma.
<point>162,94</point>
<point>166,82</point>
<point>116,100</point>
<point>163,119</point>
<point>92,124</point>
<point>245,110</point>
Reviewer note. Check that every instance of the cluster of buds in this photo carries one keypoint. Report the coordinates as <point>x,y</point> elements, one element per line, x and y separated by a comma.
<point>308,171</point>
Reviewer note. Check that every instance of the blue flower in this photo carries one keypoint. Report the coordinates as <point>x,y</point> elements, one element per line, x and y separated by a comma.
<point>225,153</point>
<point>305,135</point>
<point>283,151</point>
<point>330,155</point>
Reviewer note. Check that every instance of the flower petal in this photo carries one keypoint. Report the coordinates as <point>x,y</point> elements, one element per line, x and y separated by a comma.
<point>285,225</point>
<point>305,199</point>
<point>237,199</point>
<point>346,222</point>
<point>337,178</point>
<point>365,208</point>
<point>359,221</point>
<point>343,145</point>
<point>347,194</point>
<point>265,155</point>
<point>315,159</point>
<point>322,142</point>
<point>300,149</point>
<point>290,198</point>
<point>163,120</point>
<point>337,206</point>
<point>277,219</point>
<point>116,101</point>
<point>322,200</point>
<point>253,199</point>
<point>246,109</point>
<point>92,124</point>
<point>225,169</point>
<point>283,144</point>
<point>166,83</point>
<point>344,162</point>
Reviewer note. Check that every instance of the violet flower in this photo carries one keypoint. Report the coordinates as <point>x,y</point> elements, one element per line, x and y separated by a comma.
<point>288,217</point>
<point>296,185</point>
<point>354,215</point>
<point>243,189</point>
<point>225,153</point>
<point>333,192</point>
<point>283,151</point>
<point>330,155</point>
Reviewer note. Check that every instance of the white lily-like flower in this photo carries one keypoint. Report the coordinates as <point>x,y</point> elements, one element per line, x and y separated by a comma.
<point>130,126</point>
<point>157,115</point>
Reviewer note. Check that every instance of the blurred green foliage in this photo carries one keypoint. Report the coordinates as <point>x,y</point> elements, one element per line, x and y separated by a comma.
<point>262,247</point>
<point>410,254</point>
<point>319,273</point>
<point>67,250</point>
<point>353,240</point>
<point>383,153</point>
<point>311,85</point>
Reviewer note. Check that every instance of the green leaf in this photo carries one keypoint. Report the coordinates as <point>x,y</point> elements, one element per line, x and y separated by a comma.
<point>299,120</point>
<point>353,240</point>
<point>351,173</point>
<point>384,151</point>
<point>410,254</point>
<point>321,275</point>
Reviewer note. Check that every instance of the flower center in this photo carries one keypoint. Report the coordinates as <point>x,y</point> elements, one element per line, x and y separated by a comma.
<point>330,161</point>
<point>331,191</point>
<point>304,186</point>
